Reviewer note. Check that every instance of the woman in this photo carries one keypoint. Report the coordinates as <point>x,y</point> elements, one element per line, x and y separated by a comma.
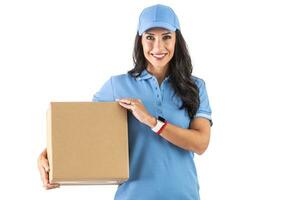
<point>170,116</point>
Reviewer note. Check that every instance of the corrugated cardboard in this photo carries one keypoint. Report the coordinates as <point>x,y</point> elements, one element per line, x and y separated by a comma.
<point>87,143</point>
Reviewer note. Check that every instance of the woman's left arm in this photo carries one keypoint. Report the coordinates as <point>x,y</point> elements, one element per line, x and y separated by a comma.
<point>195,139</point>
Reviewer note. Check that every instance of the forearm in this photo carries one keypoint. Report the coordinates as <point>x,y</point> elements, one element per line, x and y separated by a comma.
<point>188,139</point>
<point>195,139</point>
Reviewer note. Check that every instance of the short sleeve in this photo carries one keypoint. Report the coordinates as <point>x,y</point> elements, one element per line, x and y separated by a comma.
<point>204,109</point>
<point>105,93</point>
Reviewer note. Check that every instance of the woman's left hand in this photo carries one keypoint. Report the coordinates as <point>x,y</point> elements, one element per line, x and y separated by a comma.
<point>138,110</point>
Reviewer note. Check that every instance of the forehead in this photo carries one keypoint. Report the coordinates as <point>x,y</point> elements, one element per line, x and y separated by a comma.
<point>158,31</point>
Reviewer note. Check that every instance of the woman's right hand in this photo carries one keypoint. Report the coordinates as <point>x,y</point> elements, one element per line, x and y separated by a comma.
<point>44,169</point>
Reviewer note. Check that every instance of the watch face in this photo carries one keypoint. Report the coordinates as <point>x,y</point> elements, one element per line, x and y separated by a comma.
<point>161,119</point>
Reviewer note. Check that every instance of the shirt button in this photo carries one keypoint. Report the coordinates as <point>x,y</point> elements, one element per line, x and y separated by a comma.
<point>157,96</point>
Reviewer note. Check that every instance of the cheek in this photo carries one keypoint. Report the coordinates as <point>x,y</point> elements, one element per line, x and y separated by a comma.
<point>146,51</point>
<point>147,46</point>
<point>171,48</point>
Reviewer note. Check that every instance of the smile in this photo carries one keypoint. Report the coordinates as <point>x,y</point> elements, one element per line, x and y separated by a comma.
<point>159,56</point>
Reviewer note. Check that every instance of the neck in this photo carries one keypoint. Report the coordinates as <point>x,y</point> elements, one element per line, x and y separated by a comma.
<point>159,72</point>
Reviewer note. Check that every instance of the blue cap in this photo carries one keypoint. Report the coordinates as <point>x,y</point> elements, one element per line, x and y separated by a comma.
<point>159,16</point>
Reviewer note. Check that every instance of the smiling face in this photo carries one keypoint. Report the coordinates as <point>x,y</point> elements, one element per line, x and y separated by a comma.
<point>158,46</point>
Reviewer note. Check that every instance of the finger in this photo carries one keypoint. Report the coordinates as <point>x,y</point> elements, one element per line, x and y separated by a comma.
<point>49,187</point>
<point>127,101</point>
<point>44,176</point>
<point>52,186</point>
<point>125,105</point>
<point>44,169</point>
<point>136,101</point>
<point>42,173</point>
<point>45,164</point>
<point>43,161</point>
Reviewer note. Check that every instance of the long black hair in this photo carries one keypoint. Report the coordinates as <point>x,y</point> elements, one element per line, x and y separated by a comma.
<point>180,72</point>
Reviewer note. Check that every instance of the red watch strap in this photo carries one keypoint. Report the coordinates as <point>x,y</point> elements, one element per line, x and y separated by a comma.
<point>162,128</point>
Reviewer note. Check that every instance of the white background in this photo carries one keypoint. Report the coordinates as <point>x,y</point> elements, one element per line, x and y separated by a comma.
<point>246,51</point>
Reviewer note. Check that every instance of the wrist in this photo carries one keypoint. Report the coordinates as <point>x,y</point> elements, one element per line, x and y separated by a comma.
<point>160,125</point>
<point>152,122</point>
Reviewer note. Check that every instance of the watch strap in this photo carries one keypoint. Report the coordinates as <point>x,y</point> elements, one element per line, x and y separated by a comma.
<point>160,124</point>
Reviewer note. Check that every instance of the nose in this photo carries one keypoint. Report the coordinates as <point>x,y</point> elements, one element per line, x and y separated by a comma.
<point>158,45</point>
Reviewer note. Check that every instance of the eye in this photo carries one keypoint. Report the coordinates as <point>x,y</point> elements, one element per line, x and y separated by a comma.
<point>149,37</point>
<point>166,37</point>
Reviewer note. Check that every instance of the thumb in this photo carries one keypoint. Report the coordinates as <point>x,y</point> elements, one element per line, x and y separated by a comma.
<point>45,165</point>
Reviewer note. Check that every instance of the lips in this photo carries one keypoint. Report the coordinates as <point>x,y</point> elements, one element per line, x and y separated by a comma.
<point>159,56</point>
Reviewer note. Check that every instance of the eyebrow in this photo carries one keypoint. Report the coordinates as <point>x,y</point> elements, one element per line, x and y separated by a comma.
<point>166,33</point>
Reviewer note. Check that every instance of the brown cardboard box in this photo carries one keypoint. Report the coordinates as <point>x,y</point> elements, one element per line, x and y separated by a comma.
<point>87,143</point>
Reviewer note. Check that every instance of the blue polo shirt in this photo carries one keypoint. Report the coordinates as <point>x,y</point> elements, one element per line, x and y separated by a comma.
<point>158,169</point>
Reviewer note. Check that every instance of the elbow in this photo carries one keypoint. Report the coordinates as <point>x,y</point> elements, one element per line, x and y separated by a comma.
<point>200,149</point>
<point>201,146</point>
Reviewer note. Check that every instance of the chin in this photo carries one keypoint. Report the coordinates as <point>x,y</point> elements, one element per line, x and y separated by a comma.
<point>159,65</point>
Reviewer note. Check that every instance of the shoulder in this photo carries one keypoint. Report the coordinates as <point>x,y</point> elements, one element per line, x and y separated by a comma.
<point>120,77</point>
<point>199,81</point>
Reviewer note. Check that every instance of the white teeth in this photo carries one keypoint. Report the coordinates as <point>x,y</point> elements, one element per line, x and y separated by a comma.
<point>159,55</point>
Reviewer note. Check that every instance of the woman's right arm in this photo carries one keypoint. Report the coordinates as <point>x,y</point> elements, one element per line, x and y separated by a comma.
<point>44,169</point>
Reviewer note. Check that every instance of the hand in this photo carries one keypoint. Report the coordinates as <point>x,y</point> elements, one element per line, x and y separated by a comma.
<point>138,110</point>
<point>44,169</point>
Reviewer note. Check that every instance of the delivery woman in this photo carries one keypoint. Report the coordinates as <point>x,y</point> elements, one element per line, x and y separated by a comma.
<point>169,113</point>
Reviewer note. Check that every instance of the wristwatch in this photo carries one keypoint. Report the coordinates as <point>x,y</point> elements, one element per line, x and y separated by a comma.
<point>160,124</point>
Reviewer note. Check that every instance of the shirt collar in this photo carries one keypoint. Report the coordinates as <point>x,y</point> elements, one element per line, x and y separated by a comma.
<point>146,75</point>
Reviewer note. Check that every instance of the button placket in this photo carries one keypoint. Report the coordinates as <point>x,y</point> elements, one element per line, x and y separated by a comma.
<point>158,95</point>
<point>157,90</point>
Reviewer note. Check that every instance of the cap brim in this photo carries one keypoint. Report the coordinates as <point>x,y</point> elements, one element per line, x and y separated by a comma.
<point>156,25</point>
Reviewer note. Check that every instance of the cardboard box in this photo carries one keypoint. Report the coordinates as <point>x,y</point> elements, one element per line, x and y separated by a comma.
<point>87,143</point>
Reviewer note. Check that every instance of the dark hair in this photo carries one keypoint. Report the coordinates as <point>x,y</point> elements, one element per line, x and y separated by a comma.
<point>180,72</point>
